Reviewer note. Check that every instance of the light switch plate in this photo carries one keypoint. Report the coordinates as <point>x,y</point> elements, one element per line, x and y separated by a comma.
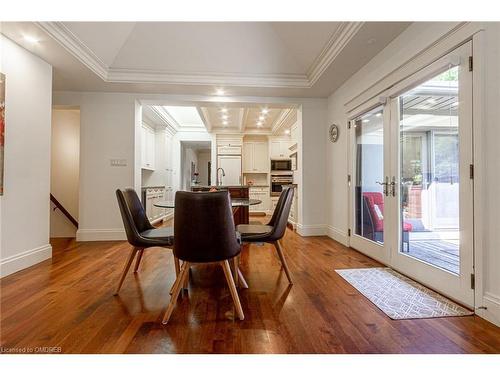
<point>118,162</point>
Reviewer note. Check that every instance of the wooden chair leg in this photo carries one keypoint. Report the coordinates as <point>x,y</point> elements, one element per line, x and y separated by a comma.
<point>177,271</point>
<point>243,282</point>
<point>186,280</point>
<point>175,292</point>
<point>279,249</point>
<point>138,260</point>
<point>232,288</point>
<point>236,263</point>
<point>126,268</point>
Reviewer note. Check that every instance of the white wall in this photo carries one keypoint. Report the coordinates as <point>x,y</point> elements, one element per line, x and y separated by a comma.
<point>408,47</point>
<point>107,131</point>
<point>64,170</point>
<point>24,207</point>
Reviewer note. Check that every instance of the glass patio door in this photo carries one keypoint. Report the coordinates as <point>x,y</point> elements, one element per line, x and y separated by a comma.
<point>431,191</point>
<point>369,183</point>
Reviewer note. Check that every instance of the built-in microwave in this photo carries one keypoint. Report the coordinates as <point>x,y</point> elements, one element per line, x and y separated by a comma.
<point>281,165</point>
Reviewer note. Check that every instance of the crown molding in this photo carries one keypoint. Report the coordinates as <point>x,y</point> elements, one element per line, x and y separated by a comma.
<point>75,46</point>
<point>332,49</point>
<point>286,119</point>
<point>339,39</point>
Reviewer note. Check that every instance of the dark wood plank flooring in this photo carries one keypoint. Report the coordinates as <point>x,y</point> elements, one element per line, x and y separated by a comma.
<point>68,302</point>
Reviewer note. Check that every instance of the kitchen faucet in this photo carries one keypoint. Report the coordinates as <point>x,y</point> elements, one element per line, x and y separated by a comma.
<point>219,180</point>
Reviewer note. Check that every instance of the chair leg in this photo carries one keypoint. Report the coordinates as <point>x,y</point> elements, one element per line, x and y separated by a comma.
<point>175,292</point>
<point>177,271</point>
<point>126,268</point>
<point>186,280</point>
<point>243,282</point>
<point>279,249</point>
<point>236,262</point>
<point>138,260</point>
<point>232,288</point>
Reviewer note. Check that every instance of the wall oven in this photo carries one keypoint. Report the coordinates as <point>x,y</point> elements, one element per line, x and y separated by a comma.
<point>281,165</point>
<point>278,181</point>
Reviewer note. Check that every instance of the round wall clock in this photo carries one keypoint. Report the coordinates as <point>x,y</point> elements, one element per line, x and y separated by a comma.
<point>333,133</point>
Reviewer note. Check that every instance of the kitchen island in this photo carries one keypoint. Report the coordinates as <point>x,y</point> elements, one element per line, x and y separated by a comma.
<point>241,214</point>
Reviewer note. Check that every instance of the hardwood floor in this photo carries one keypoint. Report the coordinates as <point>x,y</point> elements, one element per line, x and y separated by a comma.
<point>68,302</point>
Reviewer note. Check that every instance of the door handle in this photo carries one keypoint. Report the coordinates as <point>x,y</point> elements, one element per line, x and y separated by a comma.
<point>385,185</point>
<point>393,186</point>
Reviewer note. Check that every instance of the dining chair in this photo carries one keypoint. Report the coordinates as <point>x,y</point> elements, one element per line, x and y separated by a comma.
<point>204,233</point>
<point>140,233</point>
<point>274,230</point>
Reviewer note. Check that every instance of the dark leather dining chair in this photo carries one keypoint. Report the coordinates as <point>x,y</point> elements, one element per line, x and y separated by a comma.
<point>274,231</point>
<point>204,233</point>
<point>140,233</point>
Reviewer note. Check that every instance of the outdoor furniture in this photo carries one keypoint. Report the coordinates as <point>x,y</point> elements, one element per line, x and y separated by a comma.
<point>373,219</point>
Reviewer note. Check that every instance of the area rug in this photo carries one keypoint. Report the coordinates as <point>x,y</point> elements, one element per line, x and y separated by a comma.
<point>398,296</point>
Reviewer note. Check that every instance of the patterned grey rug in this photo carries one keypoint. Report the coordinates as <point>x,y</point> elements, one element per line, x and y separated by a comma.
<point>398,296</point>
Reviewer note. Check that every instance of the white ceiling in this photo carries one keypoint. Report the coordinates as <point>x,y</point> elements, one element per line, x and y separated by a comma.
<point>309,59</point>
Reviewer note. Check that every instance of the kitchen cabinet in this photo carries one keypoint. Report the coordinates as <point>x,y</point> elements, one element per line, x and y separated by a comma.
<point>152,195</point>
<point>279,149</point>
<point>147,148</point>
<point>255,157</point>
<point>229,150</point>
<point>261,193</point>
<point>232,169</point>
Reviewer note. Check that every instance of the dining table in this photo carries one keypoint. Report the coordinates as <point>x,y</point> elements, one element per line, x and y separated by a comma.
<point>235,203</point>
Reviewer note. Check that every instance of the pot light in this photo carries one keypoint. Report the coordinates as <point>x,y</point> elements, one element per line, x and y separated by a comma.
<point>261,118</point>
<point>259,123</point>
<point>220,92</point>
<point>265,111</point>
<point>223,110</point>
<point>287,131</point>
<point>224,122</point>
<point>30,39</point>
<point>378,114</point>
<point>224,117</point>
<point>366,120</point>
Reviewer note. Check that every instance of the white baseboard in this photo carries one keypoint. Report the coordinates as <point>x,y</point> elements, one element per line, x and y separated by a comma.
<point>492,311</point>
<point>311,230</point>
<point>338,235</point>
<point>24,260</point>
<point>100,235</point>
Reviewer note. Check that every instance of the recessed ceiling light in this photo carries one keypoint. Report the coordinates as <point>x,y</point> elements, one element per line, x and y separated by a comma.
<point>224,122</point>
<point>30,39</point>
<point>261,118</point>
<point>224,117</point>
<point>366,120</point>
<point>259,123</point>
<point>223,110</point>
<point>378,114</point>
<point>220,92</point>
<point>265,111</point>
<point>287,131</point>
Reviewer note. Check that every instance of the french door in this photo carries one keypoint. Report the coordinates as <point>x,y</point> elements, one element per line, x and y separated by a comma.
<point>411,189</point>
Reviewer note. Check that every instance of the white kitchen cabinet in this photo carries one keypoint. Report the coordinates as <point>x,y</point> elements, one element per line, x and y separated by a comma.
<point>232,169</point>
<point>279,149</point>
<point>147,148</point>
<point>152,196</point>
<point>229,150</point>
<point>255,157</point>
<point>261,193</point>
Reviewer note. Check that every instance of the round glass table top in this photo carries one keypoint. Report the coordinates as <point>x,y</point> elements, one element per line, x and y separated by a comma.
<point>235,202</point>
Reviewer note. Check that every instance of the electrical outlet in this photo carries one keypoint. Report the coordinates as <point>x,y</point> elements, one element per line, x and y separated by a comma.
<point>118,162</point>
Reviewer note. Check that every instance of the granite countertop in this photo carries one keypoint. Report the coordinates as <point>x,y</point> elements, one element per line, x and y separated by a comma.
<point>153,187</point>
<point>258,186</point>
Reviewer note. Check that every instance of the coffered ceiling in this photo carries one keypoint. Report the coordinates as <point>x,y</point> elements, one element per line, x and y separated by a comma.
<point>245,58</point>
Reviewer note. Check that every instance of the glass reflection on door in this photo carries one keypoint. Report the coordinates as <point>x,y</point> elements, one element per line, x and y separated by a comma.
<point>429,171</point>
<point>369,175</point>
